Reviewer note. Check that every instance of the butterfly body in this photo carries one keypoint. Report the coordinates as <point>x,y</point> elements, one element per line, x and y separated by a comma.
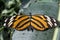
<point>30,22</point>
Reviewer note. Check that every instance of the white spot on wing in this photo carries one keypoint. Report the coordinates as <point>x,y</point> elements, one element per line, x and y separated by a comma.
<point>6,20</point>
<point>49,20</point>
<point>50,24</point>
<point>11,21</point>
<point>54,20</point>
<point>12,17</point>
<point>9,24</point>
<point>55,24</point>
<point>4,24</point>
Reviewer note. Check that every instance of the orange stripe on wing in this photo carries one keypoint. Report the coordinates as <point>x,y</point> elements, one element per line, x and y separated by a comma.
<point>23,22</point>
<point>36,27</point>
<point>37,23</point>
<point>42,17</point>
<point>17,21</point>
<point>24,26</point>
<point>17,17</point>
<point>41,20</point>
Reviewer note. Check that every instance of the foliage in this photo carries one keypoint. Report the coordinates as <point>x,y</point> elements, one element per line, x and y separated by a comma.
<point>8,8</point>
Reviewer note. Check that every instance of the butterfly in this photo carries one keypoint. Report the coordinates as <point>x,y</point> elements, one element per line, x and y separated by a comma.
<point>30,22</point>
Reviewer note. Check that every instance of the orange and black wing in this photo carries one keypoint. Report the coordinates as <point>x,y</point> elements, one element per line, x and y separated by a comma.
<point>43,22</point>
<point>18,22</point>
<point>39,22</point>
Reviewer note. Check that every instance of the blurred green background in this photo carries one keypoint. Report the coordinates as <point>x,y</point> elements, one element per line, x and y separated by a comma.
<point>13,7</point>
